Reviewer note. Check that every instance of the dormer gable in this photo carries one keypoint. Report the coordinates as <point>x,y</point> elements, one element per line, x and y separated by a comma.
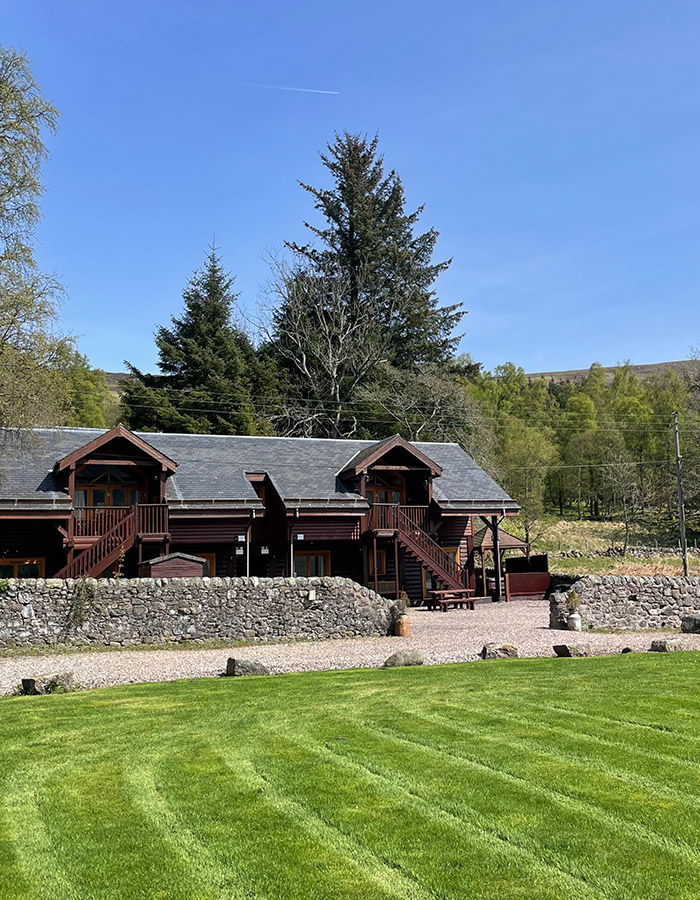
<point>394,453</point>
<point>118,445</point>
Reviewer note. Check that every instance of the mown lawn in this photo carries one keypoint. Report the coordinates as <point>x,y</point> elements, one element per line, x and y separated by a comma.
<point>518,779</point>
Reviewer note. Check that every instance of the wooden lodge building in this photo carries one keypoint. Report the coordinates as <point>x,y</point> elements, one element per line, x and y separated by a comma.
<point>393,515</point>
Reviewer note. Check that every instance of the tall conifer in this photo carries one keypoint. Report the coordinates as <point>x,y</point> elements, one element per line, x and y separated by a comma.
<point>369,238</point>
<point>210,377</point>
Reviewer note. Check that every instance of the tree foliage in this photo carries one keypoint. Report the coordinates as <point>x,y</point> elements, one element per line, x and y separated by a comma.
<point>369,238</point>
<point>33,388</point>
<point>210,380</point>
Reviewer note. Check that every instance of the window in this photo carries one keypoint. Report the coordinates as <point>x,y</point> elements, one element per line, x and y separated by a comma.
<point>108,486</point>
<point>308,563</point>
<point>22,568</point>
<point>381,562</point>
<point>386,489</point>
<point>432,584</point>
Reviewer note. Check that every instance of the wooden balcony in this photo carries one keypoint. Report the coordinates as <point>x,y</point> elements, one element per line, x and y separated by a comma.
<point>89,523</point>
<point>384,517</point>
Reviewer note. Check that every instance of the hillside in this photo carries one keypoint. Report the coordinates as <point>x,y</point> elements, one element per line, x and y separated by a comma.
<point>682,367</point>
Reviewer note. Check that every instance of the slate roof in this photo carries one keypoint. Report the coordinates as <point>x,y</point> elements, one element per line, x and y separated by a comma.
<point>212,469</point>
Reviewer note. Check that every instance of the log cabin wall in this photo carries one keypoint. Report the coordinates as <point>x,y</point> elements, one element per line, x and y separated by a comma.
<point>328,528</point>
<point>456,531</point>
<point>33,539</point>
<point>412,577</point>
<point>206,530</point>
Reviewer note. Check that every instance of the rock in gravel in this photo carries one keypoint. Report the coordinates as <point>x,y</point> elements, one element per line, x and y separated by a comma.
<point>667,645</point>
<point>493,650</point>
<point>55,683</point>
<point>690,624</point>
<point>404,658</point>
<point>572,649</point>
<point>627,650</point>
<point>236,666</point>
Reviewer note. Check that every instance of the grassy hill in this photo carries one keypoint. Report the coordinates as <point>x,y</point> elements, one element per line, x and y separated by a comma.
<point>536,779</point>
<point>682,367</point>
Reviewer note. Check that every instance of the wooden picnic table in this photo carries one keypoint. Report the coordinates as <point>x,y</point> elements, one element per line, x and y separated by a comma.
<point>444,599</point>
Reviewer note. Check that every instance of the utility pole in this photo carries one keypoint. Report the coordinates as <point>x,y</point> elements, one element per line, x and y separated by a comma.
<point>681,504</point>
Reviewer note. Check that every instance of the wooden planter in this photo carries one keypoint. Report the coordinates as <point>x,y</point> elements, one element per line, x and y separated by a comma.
<point>402,626</point>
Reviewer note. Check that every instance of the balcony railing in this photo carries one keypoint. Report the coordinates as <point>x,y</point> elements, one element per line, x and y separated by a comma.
<point>152,518</point>
<point>385,516</point>
<point>95,521</point>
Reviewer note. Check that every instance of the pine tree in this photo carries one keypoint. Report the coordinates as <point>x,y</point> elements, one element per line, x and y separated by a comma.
<point>210,377</point>
<point>369,238</point>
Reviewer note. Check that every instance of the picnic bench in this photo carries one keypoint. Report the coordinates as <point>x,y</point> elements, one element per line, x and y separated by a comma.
<point>444,599</point>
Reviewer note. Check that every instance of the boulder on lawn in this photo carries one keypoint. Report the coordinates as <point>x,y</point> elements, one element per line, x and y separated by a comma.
<point>55,683</point>
<point>239,667</point>
<point>666,645</point>
<point>404,658</point>
<point>572,649</point>
<point>494,650</point>
<point>690,624</point>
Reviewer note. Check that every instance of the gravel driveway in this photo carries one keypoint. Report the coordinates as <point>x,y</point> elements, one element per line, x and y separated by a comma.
<point>457,636</point>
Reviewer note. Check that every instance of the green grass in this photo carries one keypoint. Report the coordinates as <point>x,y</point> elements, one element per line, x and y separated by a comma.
<point>528,779</point>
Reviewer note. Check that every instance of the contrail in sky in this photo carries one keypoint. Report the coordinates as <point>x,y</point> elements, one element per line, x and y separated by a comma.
<point>279,87</point>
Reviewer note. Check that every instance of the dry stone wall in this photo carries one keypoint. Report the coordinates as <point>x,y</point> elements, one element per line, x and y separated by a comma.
<point>123,612</point>
<point>627,602</point>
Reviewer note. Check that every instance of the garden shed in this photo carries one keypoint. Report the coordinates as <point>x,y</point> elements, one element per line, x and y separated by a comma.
<point>174,565</point>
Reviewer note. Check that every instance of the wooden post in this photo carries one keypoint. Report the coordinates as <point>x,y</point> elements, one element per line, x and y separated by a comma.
<point>471,573</point>
<point>247,545</point>
<point>496,558</point>
<point>376,565</point>
<point>363,493</point>
<point>681,503</point>
<point>396,566</point>
<point>161,487</point>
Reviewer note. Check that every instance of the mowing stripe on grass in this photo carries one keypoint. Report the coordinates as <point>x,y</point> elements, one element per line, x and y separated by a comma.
<point>630,734</point>
<point>522,812</point>
<point>588,779</point>
<point>14,883</point>
<point>89,811</point>
<point>37,850</point>
<point>213,880</point>
<point>385,817</point>
<point>487,770</point>
<point>531,719</point>
<point>215,800</point>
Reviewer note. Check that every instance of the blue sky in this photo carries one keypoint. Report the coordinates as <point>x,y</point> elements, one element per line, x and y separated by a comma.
<point>556,147</point>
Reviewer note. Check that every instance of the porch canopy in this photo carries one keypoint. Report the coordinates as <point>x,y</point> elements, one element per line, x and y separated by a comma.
<point>483,541</point>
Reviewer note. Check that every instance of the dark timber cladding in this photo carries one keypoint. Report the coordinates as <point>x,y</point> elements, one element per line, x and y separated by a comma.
<point>390,514</point>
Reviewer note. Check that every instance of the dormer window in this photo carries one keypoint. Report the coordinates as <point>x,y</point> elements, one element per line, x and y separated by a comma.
<point>108,486</point>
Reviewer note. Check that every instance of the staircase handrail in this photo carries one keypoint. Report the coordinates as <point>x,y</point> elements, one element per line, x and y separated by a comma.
<point>118,535</point>
<point>431,549</point>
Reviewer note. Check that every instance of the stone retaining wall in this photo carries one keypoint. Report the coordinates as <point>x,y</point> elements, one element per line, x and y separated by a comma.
<point>627,601</point>
<point>36,612</point>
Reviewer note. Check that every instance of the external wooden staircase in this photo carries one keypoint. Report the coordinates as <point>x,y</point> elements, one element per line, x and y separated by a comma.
<point>106,550</point>
<point>406,526</point>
